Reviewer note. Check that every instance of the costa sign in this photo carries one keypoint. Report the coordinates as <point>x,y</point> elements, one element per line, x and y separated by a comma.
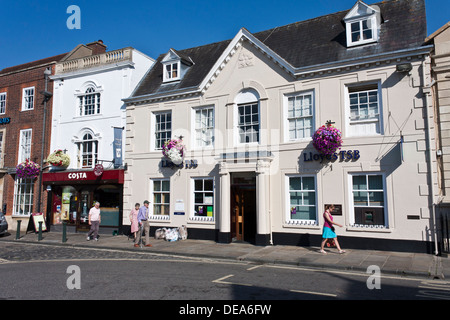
<point>112,176</point>
<point>77,175</point>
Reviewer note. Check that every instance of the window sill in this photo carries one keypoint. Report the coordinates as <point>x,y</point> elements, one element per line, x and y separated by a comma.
<point>361,43</point>
<point>201,220</point>
<point>208,148</point>
<point>15,215</point>
<point>299,140</point>
<point>169,81</point>
<point>246,144</point>
<point>363,121</point>
<point>159,218</point>
<point>86,116</point>
<point>312,225</point>
<point>369,229</point>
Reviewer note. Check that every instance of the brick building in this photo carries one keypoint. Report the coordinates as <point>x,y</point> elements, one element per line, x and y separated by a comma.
<point>21,134</point>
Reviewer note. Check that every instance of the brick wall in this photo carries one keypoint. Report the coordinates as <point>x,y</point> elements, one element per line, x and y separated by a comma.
<point>12,83</point>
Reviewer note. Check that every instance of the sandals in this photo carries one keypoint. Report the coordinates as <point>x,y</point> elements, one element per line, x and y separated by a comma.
<point>324,252</point>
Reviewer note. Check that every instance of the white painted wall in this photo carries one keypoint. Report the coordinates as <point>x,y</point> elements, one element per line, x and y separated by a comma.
<point>116,81</point>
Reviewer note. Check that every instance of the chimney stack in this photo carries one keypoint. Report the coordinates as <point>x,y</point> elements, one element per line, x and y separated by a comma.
<point>97,47</point>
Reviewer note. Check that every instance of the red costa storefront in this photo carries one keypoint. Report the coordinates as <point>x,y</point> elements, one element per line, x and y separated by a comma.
<point>73,192</point>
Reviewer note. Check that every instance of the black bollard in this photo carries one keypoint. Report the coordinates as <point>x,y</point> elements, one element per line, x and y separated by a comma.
<point>40,231</point>
<point>64,238</point>
<point>18,229</point>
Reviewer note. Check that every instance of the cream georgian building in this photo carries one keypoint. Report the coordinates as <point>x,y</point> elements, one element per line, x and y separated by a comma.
<point>246,110</point>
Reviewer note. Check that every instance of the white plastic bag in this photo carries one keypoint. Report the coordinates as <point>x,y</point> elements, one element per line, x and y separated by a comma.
<point>182,232</point>
<point>171,234</point>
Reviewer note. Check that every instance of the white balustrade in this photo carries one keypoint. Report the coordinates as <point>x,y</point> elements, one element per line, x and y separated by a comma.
<point>94,61</point>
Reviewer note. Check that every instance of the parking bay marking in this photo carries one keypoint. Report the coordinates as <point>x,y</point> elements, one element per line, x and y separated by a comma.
<point>221,281</point>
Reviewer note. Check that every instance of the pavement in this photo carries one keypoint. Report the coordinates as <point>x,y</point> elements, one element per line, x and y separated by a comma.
<point>405,264</point>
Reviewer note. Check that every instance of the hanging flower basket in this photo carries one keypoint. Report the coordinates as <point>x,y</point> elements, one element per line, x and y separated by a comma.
<point>27,169</point>
<point>174,150</point>
<point>327,139</point>
<point>58,159</point>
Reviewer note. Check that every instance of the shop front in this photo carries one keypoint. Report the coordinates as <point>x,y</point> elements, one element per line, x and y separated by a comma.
<point>72,193</point>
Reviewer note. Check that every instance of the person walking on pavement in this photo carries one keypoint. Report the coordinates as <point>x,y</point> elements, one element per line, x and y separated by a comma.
<point>133,219</point>
<point>94,221</point>
<point>328,229</point>
<point>143,220</point>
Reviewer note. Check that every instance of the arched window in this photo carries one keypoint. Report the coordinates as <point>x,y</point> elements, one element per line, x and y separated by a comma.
<point>248,116</point>
<point>90,102</point>
<point>87,151</point>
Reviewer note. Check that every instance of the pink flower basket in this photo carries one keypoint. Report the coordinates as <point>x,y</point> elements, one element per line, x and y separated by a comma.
<point>27,169</point>
<point>327,139</point>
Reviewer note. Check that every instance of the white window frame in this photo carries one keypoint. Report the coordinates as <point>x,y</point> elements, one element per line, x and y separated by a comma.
<point>238,126</point>
<point>168,74</point>
<point>204,127</point>
<point>372,21</point>
<point>248,96</point>
<point>26,98</point>
<point>287,120</point>
<point>2,147</point>
<point>193,215</point>
<point>152,214</point>
<point>3,96</point>
<point>25,142</point>
<point>82,153</point>
<point>375,121</point>
<point>154,130</point>
<point>289,220</point>
<point>352,218</point>
<point>20,198</point>
<point>92,94</point>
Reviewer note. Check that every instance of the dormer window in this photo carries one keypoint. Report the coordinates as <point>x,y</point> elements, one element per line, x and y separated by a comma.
<point>361,31</point>
<point>172,71</point>
<point>362,24</point>
<point>175,65</point>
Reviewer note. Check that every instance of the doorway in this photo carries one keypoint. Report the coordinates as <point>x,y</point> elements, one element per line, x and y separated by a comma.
<point>243,207</point>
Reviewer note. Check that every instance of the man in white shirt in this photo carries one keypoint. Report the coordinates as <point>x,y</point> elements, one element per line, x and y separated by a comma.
<point>94,221</point>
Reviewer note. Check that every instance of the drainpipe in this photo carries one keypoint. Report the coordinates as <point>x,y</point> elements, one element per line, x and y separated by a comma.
<point>428,91</point>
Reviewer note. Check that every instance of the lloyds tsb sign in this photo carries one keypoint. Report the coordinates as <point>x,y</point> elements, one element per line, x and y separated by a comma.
<point>344,155</point>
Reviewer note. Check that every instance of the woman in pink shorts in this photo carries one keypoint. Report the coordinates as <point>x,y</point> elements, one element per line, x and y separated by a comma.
<point>328,229</point>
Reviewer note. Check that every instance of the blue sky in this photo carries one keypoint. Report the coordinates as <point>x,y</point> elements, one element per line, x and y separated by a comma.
<point>32,30</point>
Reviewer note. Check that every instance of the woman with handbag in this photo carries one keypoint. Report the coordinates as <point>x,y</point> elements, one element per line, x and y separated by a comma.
<point>328,229</point>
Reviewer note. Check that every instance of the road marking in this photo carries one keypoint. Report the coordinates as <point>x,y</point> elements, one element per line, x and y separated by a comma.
<point>3,261</point>
<point>220,280</point>
<point>253,268</point>
<point>434,290</point>
<point>315,293</point>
